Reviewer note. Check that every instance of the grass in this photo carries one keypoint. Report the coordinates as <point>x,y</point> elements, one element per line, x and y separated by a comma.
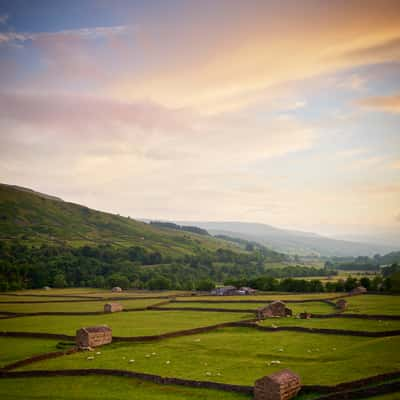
<point>335,323</point>
<point>264,297</point>
<point>241,355</point>
<point>123,324</point>
<point>89,292</point>
<point>14,349</point>
<point>374,304</point>
<point>35,220</point>
<point>74,307</point>
<point>34,299</point>
<point>314,307</point>
<point>103,388</point>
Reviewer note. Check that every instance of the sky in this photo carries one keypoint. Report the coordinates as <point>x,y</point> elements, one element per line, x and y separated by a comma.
<point>280,112</point>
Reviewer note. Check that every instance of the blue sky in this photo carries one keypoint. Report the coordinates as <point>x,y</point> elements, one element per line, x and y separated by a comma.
<point>255,111</point>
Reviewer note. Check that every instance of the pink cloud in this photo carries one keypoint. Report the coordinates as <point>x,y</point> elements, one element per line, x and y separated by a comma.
<point>78,114</point>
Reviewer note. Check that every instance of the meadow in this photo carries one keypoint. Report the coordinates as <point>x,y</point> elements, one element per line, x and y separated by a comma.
<point>229,355</point>
<point>136,323</point>
<point>312,307</point>
<point>81,306</point>
<point>104,388</point>
<point>221,355</point>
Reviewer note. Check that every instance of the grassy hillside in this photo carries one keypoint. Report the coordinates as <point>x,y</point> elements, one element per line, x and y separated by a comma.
<point>35,218</point>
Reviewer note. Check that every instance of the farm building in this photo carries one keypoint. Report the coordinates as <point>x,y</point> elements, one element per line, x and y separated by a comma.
<point>112,307</point>
<point>116,289</point>
<point>246,290</point>
<point>46,287</point>
<point>282,385</point>
<point>358,290</point>
<point>305,315</point>
<point>341,304</point>
<point>224,291</point>
<point>93,336</point>
<point>274,309</point>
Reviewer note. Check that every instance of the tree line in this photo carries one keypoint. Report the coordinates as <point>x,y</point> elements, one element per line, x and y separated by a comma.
<point>104,266</point>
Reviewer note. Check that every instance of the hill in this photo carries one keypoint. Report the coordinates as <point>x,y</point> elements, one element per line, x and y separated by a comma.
<point>291,241</point>
<point>35,218</point>
<point>45,241</point>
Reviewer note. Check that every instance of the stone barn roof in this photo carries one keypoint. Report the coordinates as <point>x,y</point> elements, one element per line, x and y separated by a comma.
<point>96,329</point>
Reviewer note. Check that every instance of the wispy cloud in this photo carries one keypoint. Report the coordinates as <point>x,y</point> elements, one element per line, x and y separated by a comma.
<point>389,104</point>
<point>83,33</point>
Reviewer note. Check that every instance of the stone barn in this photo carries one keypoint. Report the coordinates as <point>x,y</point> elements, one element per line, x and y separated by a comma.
<point>282,385</point>
<point>116,289</point>
<point>358,290</point>
<point>112,307</point>
<point>93,336</point>
<point>274,309</point>
<point>341,304</point>
<point>225,291</point>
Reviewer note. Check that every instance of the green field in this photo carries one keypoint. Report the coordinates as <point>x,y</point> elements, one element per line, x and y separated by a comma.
<point>220,356</point>
<point>335,323</point>
<point>374,304</point>
<point>264,297</point>
<point>12,349</point>
<point>42,294</point>
<point>217,355</point>
<point>103,388</point>
<point>35,299</point>
<point>313,307</point>
<point>123,324</point>
<point>81,306</point>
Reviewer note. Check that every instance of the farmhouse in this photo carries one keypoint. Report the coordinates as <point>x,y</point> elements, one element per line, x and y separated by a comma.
<point>358,290</point>
<point>282,385</point>
<point>112,307</point>
<point>274,309</point>
<point>93,336</point>
<point>224,291</point>
<point>341,304</point>
<point>116,289</point>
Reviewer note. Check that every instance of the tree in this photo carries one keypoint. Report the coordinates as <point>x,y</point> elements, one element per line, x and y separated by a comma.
<point>118,279</point>
<point>205,285</point>
<point>159,283</point>
<point>59,281</point>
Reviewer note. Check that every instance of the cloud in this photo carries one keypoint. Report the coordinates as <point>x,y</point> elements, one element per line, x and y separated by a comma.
<point>389,104</point>
<point>72,114</point>
<point>395,164</point>
<point>68,34</point>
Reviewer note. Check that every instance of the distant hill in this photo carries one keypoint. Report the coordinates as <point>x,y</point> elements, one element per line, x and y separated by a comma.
<point>292,241</point>
<point>37,218</point>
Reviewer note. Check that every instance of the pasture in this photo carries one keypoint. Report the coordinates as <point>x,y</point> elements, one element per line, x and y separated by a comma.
<point>236,355</point>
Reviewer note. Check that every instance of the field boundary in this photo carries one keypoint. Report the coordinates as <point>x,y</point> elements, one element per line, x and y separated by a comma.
<point>37,358</point>
<point>131,374</point>
<point>340,391</point>
<point>250,323</point>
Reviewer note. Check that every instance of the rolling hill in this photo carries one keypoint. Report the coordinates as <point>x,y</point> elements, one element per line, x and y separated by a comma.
<point>35,218</point>
<point>291,241</point>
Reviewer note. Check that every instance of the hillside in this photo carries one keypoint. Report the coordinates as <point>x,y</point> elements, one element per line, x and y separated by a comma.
<point>35,218</point>
<point>291,241</point>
